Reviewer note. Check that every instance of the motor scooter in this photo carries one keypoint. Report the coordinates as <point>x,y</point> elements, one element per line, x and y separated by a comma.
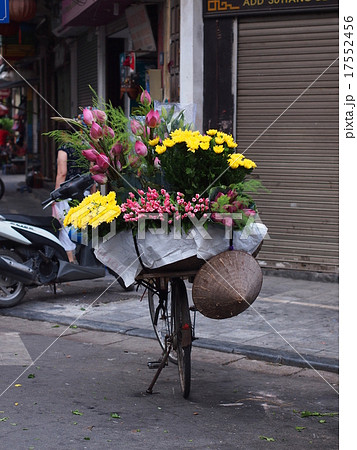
<point>31,254</point>
<point>2,188</point>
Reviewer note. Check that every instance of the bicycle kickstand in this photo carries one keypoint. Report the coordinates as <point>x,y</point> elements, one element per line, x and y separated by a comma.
<point>159,369</point>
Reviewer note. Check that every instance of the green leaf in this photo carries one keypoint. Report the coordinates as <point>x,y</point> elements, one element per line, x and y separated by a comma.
<point>309,414</point>
<point>115,416</point>
<point>299,428</point>
<point>31,375</point>
<point>265,438</point>
<point>73,326</point>
<point>87,438</point>
<point>4,419</point>
<point>77,413</point>
<point>55,326</point>
<point>322,421</point>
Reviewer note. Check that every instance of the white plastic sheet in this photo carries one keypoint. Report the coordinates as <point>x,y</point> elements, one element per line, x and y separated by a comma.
<point>158,250</point>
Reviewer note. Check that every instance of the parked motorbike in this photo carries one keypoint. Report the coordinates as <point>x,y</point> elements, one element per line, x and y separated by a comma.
<point>2,188</point>
<point>31,254</point>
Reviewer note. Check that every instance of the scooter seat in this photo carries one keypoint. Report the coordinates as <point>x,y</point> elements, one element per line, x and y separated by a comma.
<point>48,223</point>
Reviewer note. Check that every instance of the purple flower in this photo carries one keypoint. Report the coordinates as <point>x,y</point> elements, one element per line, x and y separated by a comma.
<point>140,148</point>
<point>117,149</point>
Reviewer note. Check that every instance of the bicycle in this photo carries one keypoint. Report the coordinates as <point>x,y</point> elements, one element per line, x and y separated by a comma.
<point>171,319</point>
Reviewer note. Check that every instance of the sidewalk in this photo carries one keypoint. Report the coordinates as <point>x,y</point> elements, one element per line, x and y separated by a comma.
<point>292,322</point>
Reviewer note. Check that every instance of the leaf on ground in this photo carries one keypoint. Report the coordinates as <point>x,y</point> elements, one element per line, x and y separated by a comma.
<point>31,375</point>
<point>87,438</point>
<point>314,413</point>
<point>77,413</point>
<point>4,419</point>
<point>299,428</point>
<point>115,416</point>
<point>55,326</point>
<point>18,385</point>
<point>265,438</point>
<point>322,421</point>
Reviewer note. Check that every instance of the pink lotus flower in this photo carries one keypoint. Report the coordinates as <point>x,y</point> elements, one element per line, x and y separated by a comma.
<point>145,98</point>
<point>103,161</point>
<point>108,131</point>
<point>100,178</point>
<point>88,118</point>
<point>95,169</point>
<point>96,132</point>
<point>99,115</point>
<point>157,163</point>
<point>90,154</point>
<point>140,148</point>
<point>117,149</point>
<point>152,119</point>
<point>136,127</point>
<point>133,160</point>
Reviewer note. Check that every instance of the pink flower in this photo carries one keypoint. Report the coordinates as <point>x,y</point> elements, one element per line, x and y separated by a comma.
<point>133,160</point>
<point>88,118</point>
<point>157,163</point>
<point>119,166</point>
<point>103,161</point>
<point>152,119</point>
<point>108,131</point>
<point>99,115</point>
<point>249,212</point>
<point>145,98</point>
<point>95,169</point>
<point>100,178</point>
<point>136,127</point>
<point>90,154</point>
<point>96,132</point>
<point>140,148</point>
<point>116,150</point>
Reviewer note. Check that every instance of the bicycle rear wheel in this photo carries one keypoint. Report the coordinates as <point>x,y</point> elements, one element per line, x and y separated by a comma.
<point>182,341</point>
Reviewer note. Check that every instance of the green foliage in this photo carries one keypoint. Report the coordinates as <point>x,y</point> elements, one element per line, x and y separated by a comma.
<point>7,123</point>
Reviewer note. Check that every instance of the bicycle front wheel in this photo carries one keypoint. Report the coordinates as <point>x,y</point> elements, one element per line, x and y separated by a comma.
<point>161,318</point>
<point>182,341</point>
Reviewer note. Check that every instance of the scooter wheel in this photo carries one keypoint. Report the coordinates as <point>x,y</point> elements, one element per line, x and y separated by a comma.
<point>11,291</point>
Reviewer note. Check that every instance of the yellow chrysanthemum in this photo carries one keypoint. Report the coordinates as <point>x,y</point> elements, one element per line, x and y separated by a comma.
<point>211,132</point>
<point>206,138</point>
<point>93,210</point>
<point>159,149</point>
<point>249,164</point>
<point>204,145</point>
<point>154,142</point>
<point>218,148</point>
<point>219,140</point>
<point>169,142</point>
<point>235,160</point>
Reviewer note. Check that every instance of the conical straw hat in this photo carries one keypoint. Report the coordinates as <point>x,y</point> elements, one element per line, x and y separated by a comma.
<point>227,284</point>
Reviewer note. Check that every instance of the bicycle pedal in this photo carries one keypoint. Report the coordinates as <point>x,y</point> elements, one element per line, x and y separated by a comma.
<point>154,364</point>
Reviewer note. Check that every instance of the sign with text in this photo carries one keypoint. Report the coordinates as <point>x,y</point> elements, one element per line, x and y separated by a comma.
<point>215,8</point>
<point>4,11</point>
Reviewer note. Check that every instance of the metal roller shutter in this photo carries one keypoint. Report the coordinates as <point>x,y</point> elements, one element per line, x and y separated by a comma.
<point>293,138</point>
<point>87,69</point>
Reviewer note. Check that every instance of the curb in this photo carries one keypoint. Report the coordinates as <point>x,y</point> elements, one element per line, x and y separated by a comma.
<point>287,358</point>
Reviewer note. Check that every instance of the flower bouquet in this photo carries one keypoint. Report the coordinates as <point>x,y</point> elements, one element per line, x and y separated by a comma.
<point>188,189</point>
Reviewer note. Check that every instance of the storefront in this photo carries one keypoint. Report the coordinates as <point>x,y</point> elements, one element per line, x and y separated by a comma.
<point>283,107</point>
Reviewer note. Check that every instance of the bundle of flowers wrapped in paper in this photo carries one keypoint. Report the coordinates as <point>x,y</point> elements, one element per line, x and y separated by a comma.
<point>155,163</point>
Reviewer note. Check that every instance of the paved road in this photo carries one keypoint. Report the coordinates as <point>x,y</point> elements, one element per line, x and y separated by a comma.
<point>86,390</point>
